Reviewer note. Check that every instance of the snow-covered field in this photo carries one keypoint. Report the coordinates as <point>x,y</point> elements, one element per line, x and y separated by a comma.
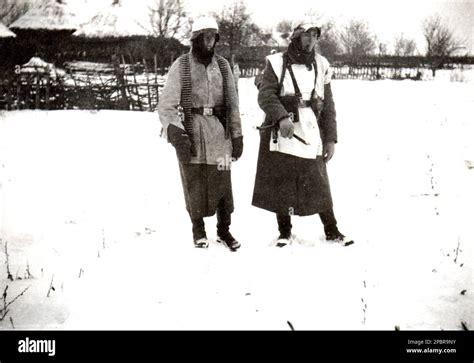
<point>94,224</point>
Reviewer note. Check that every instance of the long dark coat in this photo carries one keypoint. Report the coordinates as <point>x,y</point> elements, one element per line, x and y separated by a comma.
<point>286,184</point>
<point>205,182</point>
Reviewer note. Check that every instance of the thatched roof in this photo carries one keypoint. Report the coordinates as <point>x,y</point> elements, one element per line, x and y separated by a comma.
<point>54,15</point>
<point>5,32</point>
<point>38,66</point>
<point>116,21</point>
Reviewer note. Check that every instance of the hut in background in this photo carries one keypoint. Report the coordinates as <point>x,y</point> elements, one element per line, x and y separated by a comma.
<point>114,22</point>
<point>116,30</point>
<point>45,31</point>
<point>113,31</point>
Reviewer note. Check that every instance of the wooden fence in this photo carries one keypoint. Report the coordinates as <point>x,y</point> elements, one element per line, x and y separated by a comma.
<point>127,87</point>
<point>132,86</point>
<point>31,91</point>
<point>250,72</point>
<point>358,72</point>
<point>118,87</point>
<point>376,73</point>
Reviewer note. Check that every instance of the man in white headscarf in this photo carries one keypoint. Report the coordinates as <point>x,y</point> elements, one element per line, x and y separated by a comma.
<point>298,135</point>
<point>199,112</point>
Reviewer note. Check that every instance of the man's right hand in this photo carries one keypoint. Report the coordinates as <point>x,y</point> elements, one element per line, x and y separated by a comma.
<point>287,128</point>
<point>180,140</point>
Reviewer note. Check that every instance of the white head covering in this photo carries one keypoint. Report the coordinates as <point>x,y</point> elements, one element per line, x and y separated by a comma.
<point>302,25</point>
<point>203,23</point>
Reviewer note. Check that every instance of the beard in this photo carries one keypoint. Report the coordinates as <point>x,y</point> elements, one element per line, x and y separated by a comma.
<point>307,48</point>
<point>299,55</point>
<point>203,54</point>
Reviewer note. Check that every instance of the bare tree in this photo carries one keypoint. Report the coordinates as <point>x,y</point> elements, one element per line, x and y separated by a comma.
<point>357,39</point>
<point>265,37</point>
<point>237,29</point>
<point>329,44</point>
<point>168,19</point>
<point>404,47</point>
<point>11,10</point>
<point>440,40</point>
<point>284,28</point>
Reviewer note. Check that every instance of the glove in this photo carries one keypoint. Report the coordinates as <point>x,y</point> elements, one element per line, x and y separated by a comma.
<point>237,147</point>
<point>328,150</point>
<point>287,128</point>
<point>317,105</point>
<point>180,140</point>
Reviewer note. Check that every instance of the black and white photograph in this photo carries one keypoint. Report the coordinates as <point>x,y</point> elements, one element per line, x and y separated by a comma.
<point>243,165</point>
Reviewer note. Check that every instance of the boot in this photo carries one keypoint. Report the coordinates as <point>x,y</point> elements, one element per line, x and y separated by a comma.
<point>199,233</point>
<point>338,237</point>
<point>223,225</point>
<point>331,231</point>
<point>229,241</point>
<point>284,226</point>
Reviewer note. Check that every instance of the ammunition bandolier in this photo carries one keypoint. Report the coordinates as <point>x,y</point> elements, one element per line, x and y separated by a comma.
<point>185,76</point>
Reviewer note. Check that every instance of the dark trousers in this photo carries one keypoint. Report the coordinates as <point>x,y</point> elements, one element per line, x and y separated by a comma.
<point>224,211</point>
<point>327,218</point>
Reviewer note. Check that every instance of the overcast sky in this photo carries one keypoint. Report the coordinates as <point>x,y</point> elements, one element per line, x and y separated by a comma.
<point>386,18</point>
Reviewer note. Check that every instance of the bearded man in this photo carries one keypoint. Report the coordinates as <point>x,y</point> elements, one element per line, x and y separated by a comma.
<point>199,112</point>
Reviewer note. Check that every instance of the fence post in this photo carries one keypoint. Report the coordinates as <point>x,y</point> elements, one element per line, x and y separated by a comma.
<point>27,92</point>
<point>135,84</point>
<point>147,85</point>
<point>37,89</point>
<point>48,79</point>
<point>9,96</point>
<point>121,84</point>
<point>155,60</point>
<point>18,92</point>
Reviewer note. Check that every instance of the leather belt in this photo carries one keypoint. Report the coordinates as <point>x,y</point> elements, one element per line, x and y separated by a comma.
<point>304,104</point>
<point>208,111</point>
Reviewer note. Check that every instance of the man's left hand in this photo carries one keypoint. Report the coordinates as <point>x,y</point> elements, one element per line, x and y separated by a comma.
<point>237,147</point>
<point>328,150</point>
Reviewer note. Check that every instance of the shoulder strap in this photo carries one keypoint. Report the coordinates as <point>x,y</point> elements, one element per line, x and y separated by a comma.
<point>225,81</point>
<point>283,72</point>
<point>315,67</point>
<point>185,78</point>
<point>295,84</point>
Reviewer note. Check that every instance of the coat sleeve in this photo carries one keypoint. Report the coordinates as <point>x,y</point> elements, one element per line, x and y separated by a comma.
<point>169,100</point>
<point>236,125</point>
<point>328,116</point>
<point>267,95</point>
